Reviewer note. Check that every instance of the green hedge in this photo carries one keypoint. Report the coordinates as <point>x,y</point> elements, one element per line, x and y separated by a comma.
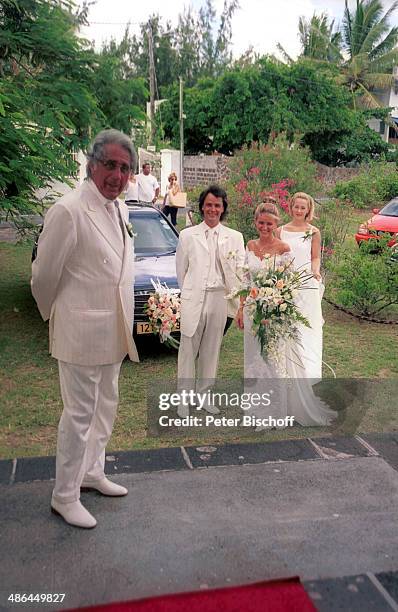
<point>374,187</point>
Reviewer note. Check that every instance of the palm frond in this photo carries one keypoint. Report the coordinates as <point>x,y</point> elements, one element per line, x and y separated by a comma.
<point>385,45</point>
<point>391,10</point>
<point>379,80</point>
<point>284,54</point>
<point>367,99</point>
<point>373,36</point>
<point>385,63</point>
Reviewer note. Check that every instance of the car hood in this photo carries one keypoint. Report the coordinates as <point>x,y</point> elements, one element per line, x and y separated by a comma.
<point>162,268</point>
<point>383,223</point>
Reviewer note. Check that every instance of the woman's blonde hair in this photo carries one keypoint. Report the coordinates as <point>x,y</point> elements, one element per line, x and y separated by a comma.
<point>269,199</point>
<point>269,208</point>
<point>172,174</point>
<point>310,203</point>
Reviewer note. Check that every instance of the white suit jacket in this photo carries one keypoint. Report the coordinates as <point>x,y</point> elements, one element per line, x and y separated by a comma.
<point>193,265</point>
<point>83,280</point>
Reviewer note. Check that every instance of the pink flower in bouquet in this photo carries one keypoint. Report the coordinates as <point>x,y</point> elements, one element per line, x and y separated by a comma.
<point>264,322</point>
<point>253,292</point>
<point>280,284</point>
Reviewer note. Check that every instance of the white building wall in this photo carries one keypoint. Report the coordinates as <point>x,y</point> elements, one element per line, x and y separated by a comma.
<point>170,162</point>
<point>394,95</point>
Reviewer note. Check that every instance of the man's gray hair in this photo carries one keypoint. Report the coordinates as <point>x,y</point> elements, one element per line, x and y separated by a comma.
<point>96,149</point>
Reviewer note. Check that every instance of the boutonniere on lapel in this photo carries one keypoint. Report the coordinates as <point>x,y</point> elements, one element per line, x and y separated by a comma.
<point>232,254</point>
<point>307,235</point>
<point>130,230</point>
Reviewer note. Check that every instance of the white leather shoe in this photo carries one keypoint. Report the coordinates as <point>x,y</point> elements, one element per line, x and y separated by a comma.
<point>183,411</point>
<point>106,487</point>
<point>74,513</point>
<point>210,408</point>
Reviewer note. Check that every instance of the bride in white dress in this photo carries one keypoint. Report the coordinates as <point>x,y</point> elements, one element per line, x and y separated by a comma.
<point>292,393</point>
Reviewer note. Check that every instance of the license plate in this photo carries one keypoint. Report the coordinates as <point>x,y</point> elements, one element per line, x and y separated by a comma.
<point>146,328</point>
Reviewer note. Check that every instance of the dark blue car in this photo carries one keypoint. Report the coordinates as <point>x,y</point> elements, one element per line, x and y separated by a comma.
<point>155,247</point>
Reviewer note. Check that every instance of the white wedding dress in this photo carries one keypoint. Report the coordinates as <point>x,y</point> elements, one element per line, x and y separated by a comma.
<point>309,302</point>
<point>291,391</point>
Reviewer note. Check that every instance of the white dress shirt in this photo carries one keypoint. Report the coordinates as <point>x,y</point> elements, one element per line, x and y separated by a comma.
<point>147,185</point>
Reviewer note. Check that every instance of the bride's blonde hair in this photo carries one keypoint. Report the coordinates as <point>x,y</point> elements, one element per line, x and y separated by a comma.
<point>268,208</point>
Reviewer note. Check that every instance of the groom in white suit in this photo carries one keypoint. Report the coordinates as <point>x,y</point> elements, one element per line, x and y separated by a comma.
<point>209,256</point>
<point>82,281</point>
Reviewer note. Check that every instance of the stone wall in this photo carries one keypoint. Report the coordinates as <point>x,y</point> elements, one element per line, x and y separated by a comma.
<point>204,170</point>
<point>329,176</point>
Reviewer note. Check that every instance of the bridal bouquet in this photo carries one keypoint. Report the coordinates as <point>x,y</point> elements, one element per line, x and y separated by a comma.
<point>163,310</point>
<point>269,294</point>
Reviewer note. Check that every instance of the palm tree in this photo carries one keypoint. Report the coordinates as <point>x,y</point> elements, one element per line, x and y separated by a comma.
<point>369,51</point>
<point>317,38</point>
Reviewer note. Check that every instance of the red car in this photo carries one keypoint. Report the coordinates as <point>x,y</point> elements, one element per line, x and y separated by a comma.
<point>383,223</point>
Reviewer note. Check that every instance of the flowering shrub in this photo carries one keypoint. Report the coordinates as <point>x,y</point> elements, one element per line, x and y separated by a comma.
<point>277,169</point>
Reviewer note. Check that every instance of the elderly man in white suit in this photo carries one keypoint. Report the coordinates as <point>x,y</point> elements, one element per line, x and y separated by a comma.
<point>209,256</point>
<point>82,281</point>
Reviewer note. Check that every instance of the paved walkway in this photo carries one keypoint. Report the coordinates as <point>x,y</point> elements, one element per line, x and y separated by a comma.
<point>195,518</point>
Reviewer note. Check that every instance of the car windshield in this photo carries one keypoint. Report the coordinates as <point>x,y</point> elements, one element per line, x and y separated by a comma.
<point>390,209</point>
<point>153,234</point>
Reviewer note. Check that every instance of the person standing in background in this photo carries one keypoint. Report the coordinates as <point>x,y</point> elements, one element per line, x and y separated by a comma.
<point>171,190</point>
<point>131,196</point>
<point>148,186</point>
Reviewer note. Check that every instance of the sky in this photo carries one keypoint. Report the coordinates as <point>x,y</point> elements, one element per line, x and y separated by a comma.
<point>258,23</point>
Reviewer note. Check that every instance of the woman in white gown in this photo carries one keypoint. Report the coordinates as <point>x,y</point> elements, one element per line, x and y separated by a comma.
<point>289,381</point>
<point>304,240</point>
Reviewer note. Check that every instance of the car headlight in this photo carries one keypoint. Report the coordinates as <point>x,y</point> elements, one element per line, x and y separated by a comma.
<point>363,229</point>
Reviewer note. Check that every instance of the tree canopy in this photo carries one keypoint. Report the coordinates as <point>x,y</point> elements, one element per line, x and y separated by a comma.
<point>55,91</point>
<point>46,104</point>
<point>253,103</point>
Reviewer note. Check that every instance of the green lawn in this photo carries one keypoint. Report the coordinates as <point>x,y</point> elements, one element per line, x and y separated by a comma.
<point>30,401</point>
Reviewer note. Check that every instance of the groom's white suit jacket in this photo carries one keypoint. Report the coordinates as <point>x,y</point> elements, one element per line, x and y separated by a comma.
<point>83,280</point>
<point>193,265</point>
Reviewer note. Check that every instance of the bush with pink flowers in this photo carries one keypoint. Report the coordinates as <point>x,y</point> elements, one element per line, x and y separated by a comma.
<point>277,169</point>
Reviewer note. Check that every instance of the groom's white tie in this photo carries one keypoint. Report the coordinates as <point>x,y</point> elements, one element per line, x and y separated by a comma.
<point>211,237</point>
<point>215,279</point>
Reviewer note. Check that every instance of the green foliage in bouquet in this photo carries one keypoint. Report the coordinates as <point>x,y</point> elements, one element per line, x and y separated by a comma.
<point>269,301</point>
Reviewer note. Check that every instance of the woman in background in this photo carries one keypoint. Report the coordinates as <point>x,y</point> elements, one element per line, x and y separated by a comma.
<point>131,190</point>
<point>171,190</point>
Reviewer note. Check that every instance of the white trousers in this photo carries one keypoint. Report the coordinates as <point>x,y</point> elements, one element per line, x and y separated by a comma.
<point>90,398</point>
<point>199,354</point>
